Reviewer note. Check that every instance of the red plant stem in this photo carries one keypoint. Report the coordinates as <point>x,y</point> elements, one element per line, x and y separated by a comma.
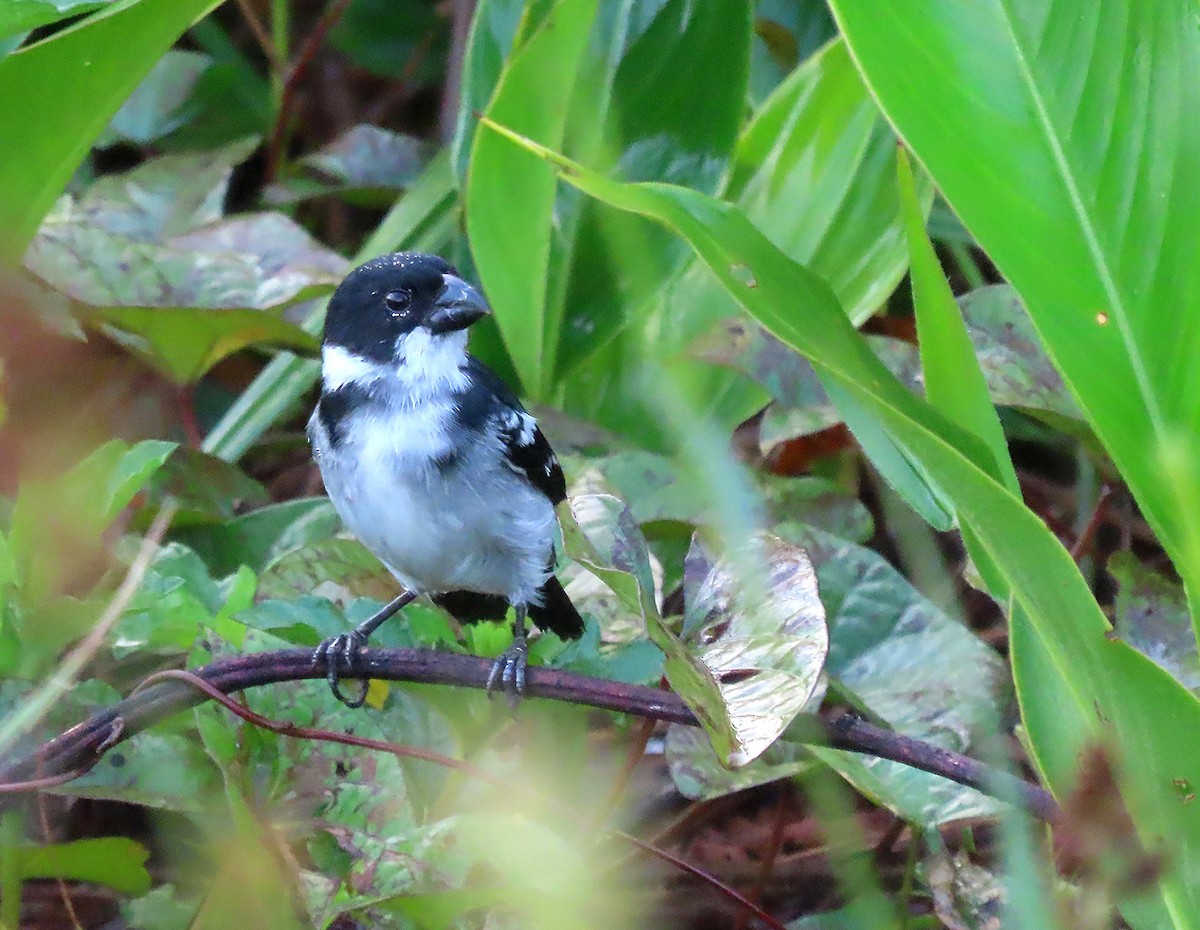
<point>300,65</point>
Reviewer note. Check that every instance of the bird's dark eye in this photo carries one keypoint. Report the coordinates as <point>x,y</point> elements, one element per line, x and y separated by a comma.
<point>397,302</point>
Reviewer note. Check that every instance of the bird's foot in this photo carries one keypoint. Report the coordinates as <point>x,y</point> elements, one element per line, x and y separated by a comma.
<point>508,671</point>
<point>347,647</point>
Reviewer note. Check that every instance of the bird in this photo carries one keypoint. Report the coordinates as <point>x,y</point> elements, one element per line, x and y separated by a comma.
<point>432,462</point>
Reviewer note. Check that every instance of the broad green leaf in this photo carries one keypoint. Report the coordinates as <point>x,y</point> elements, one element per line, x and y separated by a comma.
<point>166,771</point>
<point>425,218</point>
<point>337,568</point>
<point>259,538</point>
<point>498,27</point>
<point>954,383</point>
<point>115,861</point>
<point>623,100</point>
<point>1086,687</point>
<point>204,489</point>
<point>56,97</point>
<point>911,665</point>
<point>815,172</point>
<point>1061,135</point>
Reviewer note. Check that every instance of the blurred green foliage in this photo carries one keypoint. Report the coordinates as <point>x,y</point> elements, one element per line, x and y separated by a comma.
<point>681,213</point>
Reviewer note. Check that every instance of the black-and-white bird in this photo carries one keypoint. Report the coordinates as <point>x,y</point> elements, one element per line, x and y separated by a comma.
<point>432,462</point>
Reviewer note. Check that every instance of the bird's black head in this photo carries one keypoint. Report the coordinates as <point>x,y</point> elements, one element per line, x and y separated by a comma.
<point>389,297</point>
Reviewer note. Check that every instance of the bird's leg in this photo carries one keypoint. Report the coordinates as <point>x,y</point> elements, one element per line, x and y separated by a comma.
<point>509,667</point>
<point>347,647</point>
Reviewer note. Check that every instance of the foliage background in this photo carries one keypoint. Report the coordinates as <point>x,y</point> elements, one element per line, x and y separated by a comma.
<point>904,286</point>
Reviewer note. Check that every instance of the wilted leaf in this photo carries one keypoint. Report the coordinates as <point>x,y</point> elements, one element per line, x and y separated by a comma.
<point>163,197</point>
<point>1017,371</point>
<point>764,646</point>
<point>600,533</point>
<point>363,159</point>
<point>1151,615</point>
<point>965,896</point>
<point>699,774</point>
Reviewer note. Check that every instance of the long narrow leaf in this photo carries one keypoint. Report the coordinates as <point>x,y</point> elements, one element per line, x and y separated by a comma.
<point>1111,694</point>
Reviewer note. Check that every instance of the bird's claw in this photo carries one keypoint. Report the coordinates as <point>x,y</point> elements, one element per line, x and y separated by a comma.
<point>346,647</point>
<point>508,671</point>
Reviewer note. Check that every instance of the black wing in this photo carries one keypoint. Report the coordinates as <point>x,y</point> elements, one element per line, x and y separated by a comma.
<point>488,403</point>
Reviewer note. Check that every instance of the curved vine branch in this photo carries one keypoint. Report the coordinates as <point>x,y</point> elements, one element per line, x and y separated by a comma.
<point>78,749</point>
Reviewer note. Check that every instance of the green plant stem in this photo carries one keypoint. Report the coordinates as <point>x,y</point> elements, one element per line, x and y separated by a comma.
<point>966,264</point>
<point>280,29</point>
<point>10,870</point>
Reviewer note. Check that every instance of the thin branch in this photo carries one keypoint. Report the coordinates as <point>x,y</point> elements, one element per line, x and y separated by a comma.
<point>82,745</point>
<point>303,59</point>
<point>259,31</point>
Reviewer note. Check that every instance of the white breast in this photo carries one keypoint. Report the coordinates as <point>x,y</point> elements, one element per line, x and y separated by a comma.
<point>475,525</point>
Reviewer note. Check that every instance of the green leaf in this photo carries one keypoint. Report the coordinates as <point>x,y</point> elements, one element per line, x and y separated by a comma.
<point>115,861</point>
<point>19,16</point>
<point>204,489</point>
<point>57,95</point>
<point>158,106</point>
<point>1078,686</point>
<point>623,99</point>
<point>954,383</point>
<point>1097,235</point>
<point>259,538</point>
<point>165,771</point>
<point>510,195</point>
<point>815,171</point>
<point>364,164</point>
<point>57,523</point>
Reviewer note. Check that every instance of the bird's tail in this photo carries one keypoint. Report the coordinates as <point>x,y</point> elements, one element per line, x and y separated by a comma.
<point>556,613</point>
